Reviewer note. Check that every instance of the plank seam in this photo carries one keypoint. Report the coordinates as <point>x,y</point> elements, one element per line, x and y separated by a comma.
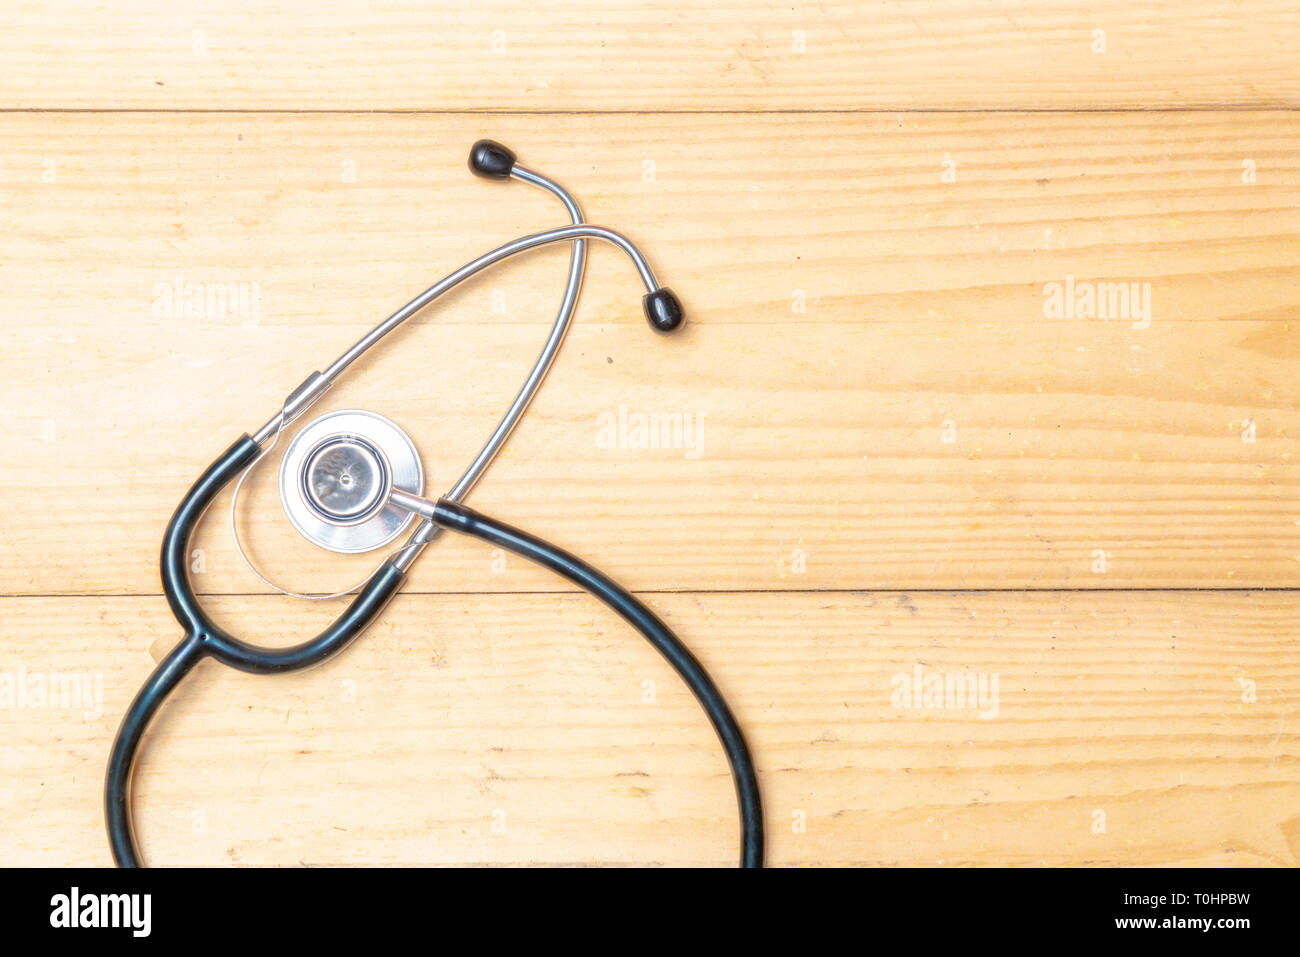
<point>867,590</point>
<point>889,111</point>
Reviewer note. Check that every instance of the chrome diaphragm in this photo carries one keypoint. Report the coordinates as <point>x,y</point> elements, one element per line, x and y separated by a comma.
<point>337,475</point>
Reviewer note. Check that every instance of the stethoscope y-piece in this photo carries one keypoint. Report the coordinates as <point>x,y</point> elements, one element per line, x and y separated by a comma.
<point>352,481</point>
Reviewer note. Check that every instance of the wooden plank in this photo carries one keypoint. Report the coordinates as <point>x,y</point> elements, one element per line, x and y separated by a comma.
<point>822,431</point>
<point>639,55</point>
<point>1121,724</point>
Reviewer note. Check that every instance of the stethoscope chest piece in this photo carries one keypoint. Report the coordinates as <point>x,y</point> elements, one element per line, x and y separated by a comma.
<point>337,475</point>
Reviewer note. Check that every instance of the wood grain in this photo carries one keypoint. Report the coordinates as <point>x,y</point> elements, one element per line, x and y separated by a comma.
<point>1131,705</point>
<point>644,56</point>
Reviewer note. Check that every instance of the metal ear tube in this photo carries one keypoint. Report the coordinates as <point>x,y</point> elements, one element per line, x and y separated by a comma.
<point>352,481</point>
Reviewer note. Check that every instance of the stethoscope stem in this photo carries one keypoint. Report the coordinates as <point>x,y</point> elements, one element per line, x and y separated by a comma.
<point>414,503</point>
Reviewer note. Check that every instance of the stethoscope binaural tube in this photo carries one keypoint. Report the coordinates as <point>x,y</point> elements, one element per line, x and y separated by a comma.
<point>203,638</point>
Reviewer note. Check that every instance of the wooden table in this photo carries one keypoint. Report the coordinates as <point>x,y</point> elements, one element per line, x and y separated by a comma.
<point>917,454</point>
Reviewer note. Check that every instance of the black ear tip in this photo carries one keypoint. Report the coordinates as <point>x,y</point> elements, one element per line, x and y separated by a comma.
<point>663,310</point>
<point>490,159</point>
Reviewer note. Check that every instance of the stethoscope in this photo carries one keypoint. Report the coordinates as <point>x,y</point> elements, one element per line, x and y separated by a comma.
<point>351,481</point>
